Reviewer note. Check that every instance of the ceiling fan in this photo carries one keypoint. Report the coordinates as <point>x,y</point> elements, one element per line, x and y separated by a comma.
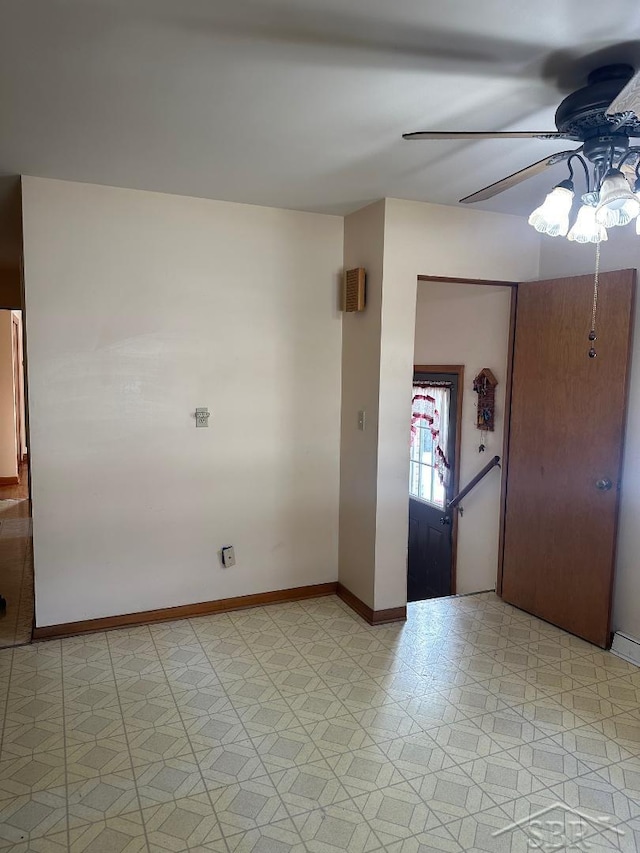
<point>603,116</point>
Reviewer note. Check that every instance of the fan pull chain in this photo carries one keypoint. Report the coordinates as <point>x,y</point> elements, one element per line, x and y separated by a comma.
<point>594,309</point>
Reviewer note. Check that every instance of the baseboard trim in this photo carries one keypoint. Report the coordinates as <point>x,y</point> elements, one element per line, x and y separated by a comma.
<point>183,611</point>
<point>373,617</point>
<point>9,481</point>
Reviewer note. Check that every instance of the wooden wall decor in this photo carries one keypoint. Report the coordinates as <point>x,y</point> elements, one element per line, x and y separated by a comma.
<point>354,290</point>
<point>485,387</point>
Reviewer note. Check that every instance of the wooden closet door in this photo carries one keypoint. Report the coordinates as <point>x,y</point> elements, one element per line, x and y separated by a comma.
<point>566,437</point>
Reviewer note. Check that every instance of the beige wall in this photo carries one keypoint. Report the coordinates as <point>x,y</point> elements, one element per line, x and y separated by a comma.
<point>20,396</point>
<point>469,324</point>
<point>621,251</point>
<point>419,239</point>
<point>363,247</point>
<point>140,307</point>
<point>426,239</point>
<point>8,443</point>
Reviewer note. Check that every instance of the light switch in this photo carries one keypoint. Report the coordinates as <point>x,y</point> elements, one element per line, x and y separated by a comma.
<point>202,417</point>
<point>362,420</point>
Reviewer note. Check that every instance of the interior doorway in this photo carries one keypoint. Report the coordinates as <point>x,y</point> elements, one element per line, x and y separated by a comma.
<point>467,323</point>
<point>436,408</point>
<point>559,428</point>
<point>16,553</point>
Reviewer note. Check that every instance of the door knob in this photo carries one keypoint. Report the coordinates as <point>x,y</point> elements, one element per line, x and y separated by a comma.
<point>445,520</point>
<point>604,485</point>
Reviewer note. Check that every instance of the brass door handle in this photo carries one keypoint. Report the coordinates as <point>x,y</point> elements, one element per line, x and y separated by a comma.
<point>604,485</point>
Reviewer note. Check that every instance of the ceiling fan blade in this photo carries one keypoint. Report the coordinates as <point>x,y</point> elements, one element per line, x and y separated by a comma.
<point>480,134</point>
<point>628,101</point>
<point>518,177</point>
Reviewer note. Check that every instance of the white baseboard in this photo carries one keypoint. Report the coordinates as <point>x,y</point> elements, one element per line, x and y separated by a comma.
<point>626,647</point>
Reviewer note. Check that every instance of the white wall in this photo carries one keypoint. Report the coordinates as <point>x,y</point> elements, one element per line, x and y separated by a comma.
<point>140,307</point>
<point>363,247</point>
<point>469,324</point>
<point>622,251</point>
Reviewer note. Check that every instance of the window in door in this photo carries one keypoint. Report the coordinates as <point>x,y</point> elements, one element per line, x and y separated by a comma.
<point>429,466</point>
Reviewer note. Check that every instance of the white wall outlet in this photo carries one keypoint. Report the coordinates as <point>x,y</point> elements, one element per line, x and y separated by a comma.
<point>362,420</point>
<point>228,556</point>
<point>202,417</point>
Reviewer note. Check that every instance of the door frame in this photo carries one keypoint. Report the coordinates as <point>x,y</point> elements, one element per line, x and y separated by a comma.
<point>18,391</point>
<point>504,462</point>
<point>15,301</point>
<point>458,370</point>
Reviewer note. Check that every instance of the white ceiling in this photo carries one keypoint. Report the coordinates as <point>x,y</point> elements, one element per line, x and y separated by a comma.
<point>292,103</point>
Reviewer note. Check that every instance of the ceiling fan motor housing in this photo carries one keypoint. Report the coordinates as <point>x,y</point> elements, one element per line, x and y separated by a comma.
<point>582,114</point>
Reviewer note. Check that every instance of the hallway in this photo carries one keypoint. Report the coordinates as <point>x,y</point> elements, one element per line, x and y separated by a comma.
<point>16,571</point>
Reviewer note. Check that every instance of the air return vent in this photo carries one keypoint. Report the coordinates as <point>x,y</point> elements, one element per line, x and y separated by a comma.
<point>353,297</point>
<point>626,647</point>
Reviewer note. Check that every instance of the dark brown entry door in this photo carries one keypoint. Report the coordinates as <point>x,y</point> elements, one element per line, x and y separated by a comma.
<point>430,550</point>
<point>565,450</point>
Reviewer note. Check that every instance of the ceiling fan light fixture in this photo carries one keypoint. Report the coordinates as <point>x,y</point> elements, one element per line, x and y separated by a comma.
<point>552,217</point>
<point>585,229</point>
<point>618,204</point>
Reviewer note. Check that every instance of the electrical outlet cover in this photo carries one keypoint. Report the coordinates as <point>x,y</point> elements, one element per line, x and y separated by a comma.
<point>202,417</point>
<point>228,556</point>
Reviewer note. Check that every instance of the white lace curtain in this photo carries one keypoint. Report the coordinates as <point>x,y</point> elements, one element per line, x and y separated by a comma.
<point>430,409</point>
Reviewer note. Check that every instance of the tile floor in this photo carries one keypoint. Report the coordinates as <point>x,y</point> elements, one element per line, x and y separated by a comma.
<point>299,728</point>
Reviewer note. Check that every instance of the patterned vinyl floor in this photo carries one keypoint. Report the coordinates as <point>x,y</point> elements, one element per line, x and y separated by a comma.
<point>297,727</point>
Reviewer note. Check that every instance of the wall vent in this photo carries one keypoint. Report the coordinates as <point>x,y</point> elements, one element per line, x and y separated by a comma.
<point>353,292</point>
<point>626,647</point>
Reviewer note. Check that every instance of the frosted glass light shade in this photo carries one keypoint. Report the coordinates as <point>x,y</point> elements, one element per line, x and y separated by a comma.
<point>585,228</point>
<point>618,204</point>
<point>552,217</point>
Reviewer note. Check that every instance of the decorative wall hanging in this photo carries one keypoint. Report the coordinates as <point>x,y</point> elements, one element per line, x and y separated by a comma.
<point>485,387</point>
<point>354,289</point>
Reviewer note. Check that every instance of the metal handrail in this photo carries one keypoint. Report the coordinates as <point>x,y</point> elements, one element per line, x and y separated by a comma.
<point>453,503</point>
